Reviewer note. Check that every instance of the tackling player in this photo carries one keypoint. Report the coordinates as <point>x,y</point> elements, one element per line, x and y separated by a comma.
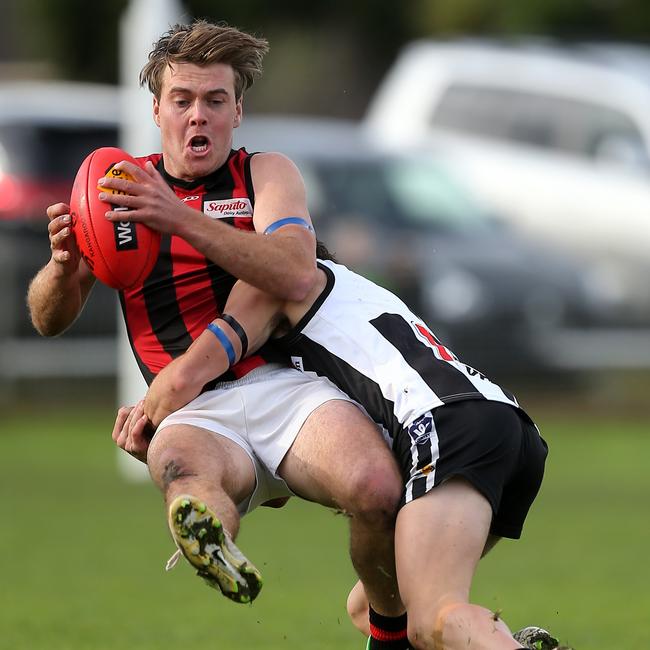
<point>472,460</point>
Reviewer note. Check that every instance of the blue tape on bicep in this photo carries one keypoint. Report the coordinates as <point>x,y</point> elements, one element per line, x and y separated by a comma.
<point>224,340</point>
<point>287,221</point>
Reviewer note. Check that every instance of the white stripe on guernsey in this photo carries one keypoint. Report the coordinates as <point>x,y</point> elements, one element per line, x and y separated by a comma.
<point>435,456</point>
<point>414,463</point>
<point>381,361</point>
<point>482,384</point>
<point>343,325</point>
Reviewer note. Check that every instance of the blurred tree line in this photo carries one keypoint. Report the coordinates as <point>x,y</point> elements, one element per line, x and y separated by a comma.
<point>337,49</point>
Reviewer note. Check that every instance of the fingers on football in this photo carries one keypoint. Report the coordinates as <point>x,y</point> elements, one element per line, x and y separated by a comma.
<point>58,223</point>
<point>61,238</point>
<point>60,257</point>
<point>57,210</point>
<point>134,171</point>
<point>120,200</point>
<point>124,186</point>
<point>57,238</point>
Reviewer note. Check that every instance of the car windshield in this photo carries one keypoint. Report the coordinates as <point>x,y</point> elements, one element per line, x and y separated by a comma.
<point>413,193</point>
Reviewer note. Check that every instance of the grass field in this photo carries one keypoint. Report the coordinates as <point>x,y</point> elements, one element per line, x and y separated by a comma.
<point>83,551</point>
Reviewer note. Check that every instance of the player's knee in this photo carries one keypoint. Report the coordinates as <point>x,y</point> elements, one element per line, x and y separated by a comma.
<point>357,607</point>
<point>436,626</point>
<point>374,496</point>
<point>426,625</point>
<point>170,465</point>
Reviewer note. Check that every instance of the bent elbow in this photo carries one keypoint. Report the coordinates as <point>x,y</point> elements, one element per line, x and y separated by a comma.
<point>300,286</point>
<point>48,333</point>
<point>46,328</point>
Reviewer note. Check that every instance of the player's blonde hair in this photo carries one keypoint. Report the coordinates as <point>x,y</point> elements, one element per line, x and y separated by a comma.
<point>204,43</point>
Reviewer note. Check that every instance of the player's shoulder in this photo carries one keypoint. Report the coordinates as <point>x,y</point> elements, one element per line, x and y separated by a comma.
<point>272,163</point>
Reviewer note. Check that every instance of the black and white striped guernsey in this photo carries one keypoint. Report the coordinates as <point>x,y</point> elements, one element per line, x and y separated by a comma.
<point>367,342</point>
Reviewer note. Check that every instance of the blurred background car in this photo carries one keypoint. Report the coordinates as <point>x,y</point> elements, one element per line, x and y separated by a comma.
<point>501,301</point>
<point>556,139</point>
<point>496,298</point>
<point>46,130</point>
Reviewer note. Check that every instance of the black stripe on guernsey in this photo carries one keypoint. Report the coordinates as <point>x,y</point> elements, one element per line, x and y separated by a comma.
<point>321,361</point>
<point>162,308</point>
<point>316,358</point>
<point>146,373</point>
<point>248,178</point>
<point>215,179</point>
<point>441,377</point>
<point>221,283</point>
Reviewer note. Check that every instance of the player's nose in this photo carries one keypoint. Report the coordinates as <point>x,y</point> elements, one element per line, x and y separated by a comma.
<point>198,113</point>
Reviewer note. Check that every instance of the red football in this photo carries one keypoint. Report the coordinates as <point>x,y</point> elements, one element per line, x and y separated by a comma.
<point>120,254</point>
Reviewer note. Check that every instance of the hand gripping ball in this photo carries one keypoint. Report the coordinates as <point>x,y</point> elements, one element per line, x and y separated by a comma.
<point>119,253</point>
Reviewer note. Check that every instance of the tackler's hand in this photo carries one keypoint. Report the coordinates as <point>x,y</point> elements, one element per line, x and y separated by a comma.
<point>132,431</point>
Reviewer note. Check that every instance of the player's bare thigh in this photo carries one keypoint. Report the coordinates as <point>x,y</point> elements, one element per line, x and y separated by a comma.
<point>442,536</point>
<point>339,454</point>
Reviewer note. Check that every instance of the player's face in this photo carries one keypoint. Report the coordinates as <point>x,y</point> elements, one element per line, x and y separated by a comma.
<point>196,113</point>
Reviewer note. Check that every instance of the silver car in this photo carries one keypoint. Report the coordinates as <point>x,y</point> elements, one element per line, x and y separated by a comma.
<point>499,300</point>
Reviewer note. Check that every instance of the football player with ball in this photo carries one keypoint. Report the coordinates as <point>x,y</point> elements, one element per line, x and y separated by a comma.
<point>220,214</point>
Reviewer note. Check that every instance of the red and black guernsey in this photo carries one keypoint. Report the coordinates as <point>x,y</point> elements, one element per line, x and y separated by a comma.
<point>185,291</point>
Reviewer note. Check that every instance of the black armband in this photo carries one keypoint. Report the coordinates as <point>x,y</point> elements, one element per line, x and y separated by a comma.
<point>239,330</point>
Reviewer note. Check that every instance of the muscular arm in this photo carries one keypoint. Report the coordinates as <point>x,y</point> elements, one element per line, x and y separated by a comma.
<point>183,379</point>
<point>59,290</point>
<point>282,264</point>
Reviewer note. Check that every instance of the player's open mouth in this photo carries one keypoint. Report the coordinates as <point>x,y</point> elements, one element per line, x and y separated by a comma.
<point>199,144</point>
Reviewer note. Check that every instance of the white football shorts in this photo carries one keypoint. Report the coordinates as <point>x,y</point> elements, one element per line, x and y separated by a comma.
<point>262,413</point>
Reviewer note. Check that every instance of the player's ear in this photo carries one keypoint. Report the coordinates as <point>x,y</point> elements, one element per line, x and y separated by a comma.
<point>238,113</point>
<point>156,111</point>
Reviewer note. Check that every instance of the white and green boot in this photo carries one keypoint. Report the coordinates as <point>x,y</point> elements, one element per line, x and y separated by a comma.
<point>537,638</point>
<point>200,537</point>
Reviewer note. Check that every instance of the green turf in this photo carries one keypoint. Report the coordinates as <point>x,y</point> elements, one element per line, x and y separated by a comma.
<point>83,551</point>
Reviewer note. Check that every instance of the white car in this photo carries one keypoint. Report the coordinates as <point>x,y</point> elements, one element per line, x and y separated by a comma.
<point>503,302</point>
<point>555,141</point>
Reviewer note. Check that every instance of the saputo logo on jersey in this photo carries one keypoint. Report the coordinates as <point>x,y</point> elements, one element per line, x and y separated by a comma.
<point>224,208</point>
<point>125,236</point>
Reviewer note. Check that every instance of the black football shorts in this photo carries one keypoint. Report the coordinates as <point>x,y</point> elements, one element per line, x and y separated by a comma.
<point>492,445</point>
